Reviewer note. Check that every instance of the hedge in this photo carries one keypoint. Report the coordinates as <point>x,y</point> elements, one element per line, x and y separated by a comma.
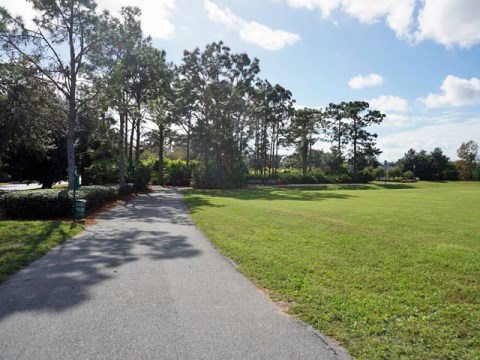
<point>56,203</point>
<point>316,176</point>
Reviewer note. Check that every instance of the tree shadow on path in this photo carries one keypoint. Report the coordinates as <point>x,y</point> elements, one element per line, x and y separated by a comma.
<point>64,277</point>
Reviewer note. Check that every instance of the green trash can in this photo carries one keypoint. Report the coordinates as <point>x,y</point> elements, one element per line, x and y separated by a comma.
<point>79,209</point>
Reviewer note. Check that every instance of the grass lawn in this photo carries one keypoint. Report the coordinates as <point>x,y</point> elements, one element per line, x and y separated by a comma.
<point>21,242</point>
<point>389,273</point>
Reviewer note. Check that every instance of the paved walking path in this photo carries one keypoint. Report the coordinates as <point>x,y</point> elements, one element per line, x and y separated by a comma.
<point>144,283</point>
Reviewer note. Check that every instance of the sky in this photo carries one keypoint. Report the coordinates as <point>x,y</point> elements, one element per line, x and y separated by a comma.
<point>417,61</point>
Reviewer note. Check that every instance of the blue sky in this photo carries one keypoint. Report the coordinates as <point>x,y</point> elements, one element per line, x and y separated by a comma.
<point>416,60</point>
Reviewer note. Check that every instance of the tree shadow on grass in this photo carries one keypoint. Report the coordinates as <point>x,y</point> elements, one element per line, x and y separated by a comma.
<point>398,186</point>
<point>199,199</point>
<point>333,187</point>
<point>264,193</point>
<point>22,242</point>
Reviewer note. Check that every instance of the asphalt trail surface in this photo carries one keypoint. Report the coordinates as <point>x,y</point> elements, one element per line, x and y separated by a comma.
<point>144,283</point>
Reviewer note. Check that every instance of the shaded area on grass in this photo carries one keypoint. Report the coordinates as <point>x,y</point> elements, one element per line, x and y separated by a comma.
<point>197,200</point>
<point>377,186</point>
<point>21,242</point>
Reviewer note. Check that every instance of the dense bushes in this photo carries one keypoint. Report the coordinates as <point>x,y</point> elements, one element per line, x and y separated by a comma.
<point>104,172</point>
<point>54,203</point>
<point>217,177</point>
<point>177,173</point>
<point>316,176</point>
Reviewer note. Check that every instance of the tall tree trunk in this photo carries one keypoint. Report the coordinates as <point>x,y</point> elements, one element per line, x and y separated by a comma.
<point>257,150</point>
<point>130,146</point>
<point>304,156</point>
<point>355,150</point>
<point>188,148</point>
<point>121,159</point>
<point>125,149</point>
<point>277,140</point>
<point>339,149</point>
<point>139,121</point>
<point>71,142</point>
<point>72,111</point>
<point>310,155</point>
<point>161,129</point>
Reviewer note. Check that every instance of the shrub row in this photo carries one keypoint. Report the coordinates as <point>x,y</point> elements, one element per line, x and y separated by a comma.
<point>56,203</point>
<point>103,172</point>
<point>316,176</point>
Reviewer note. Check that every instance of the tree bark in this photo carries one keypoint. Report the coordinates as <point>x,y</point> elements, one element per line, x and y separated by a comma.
<point>132,133</point>
<point>304,156</point>
<point>121,159</point>
<point>161,129</point>
<point>188,148</point>
<point>355,134</point>
<point>72,111</point>
<point>137,143</point>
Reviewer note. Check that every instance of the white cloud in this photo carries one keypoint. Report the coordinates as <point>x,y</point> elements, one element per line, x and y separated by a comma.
<point>370,80</point>
<point>389,103</point>
<point>447,22</point>
<point>20,8</point>
<point>265,37</point>
<point>225,17</point>
<point>156,14</point>
<point>450,22</point>
<point>397,120</point>
<point>455,92</point>
<point>394,107</point>
<point>250,31</point>
<point>397,14</point>
<point>447,136</point>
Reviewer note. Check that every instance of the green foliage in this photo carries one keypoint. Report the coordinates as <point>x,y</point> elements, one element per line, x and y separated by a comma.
<point>57,203</point>
<point>102,172</point>
<point>140,175</point>
<point>177,173</point>
<point>389,274</point>
<point>368,173</point>
<point>408,174</point>
<point>105,171</point>
<point>36,204</point>
<point>315,176</point>
<point>428,166</point>
<point>476,174</point>
<point>339,178</point>
<point>394,172</point>
<point>96,195</point>
<point>450,171</point>
<point>292,176</point>
<point>215,176</point>
<point>22,242</point>
<point>379,172</point>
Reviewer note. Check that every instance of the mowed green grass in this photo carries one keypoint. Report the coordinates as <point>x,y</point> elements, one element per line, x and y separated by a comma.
<point>22,242</point>
<point>389,273</point>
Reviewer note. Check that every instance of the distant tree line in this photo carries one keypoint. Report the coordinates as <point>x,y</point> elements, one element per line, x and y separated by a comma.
<point>85,89</point>
<point>435,165</point>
